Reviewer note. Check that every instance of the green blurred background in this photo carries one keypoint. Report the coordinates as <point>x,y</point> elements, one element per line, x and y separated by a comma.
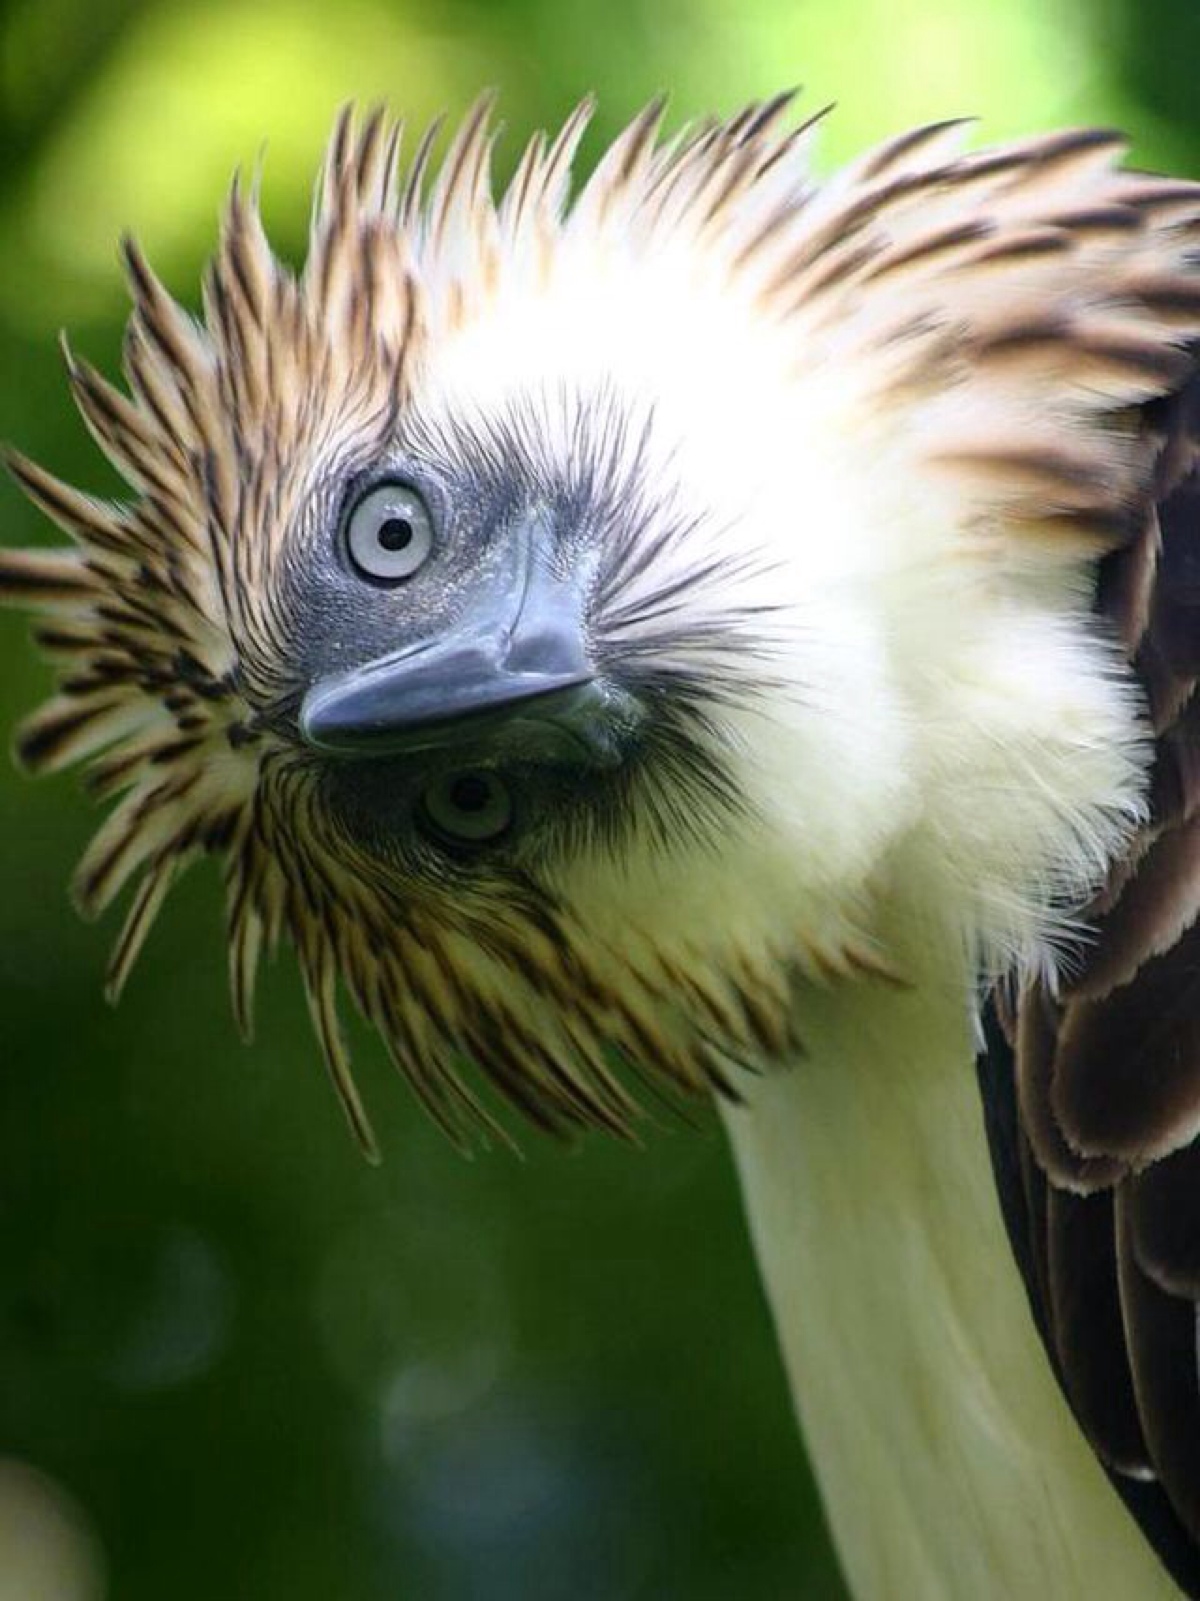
<point>234,1361</point>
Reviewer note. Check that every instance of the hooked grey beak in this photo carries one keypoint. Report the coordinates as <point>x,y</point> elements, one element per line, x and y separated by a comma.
<point>513,673</point>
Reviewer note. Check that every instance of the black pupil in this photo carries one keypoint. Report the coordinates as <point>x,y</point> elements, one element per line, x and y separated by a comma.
<point>395,533</point>
<point>471,792</point>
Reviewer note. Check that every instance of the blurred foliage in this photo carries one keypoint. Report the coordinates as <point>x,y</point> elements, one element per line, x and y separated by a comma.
<point>234,1360</point>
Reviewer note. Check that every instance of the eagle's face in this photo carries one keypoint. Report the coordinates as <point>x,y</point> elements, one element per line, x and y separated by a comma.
<point>471,673</point>
<point>522,686</point>
<point>555,619</point>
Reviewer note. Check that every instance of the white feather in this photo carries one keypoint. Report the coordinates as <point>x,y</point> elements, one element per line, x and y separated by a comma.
<point>950,1465</point>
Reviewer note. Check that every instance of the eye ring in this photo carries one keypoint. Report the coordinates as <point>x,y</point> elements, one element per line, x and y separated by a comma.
<point>470,807</point>
<point>388,534</point>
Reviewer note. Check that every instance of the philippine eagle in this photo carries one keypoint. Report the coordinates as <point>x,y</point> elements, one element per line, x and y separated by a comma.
<point>739,632</point>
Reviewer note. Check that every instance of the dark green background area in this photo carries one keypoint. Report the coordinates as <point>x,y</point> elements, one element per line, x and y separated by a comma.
<point>258,1368</point>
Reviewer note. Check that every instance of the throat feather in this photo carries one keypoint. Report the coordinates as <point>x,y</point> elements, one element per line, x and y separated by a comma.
<point>948,1460</point>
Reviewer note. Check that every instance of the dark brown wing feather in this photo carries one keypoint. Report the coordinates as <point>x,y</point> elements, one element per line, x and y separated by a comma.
<point>1092,1099</point>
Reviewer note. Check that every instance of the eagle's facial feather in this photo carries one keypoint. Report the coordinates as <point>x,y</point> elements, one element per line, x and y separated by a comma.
<point>808,477</point>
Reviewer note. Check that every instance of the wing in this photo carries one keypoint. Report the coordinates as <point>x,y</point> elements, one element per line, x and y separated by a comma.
<point>1092,1097</point>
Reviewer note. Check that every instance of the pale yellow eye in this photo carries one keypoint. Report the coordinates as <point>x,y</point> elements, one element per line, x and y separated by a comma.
<point>468,808</point>
<point>389,534</point>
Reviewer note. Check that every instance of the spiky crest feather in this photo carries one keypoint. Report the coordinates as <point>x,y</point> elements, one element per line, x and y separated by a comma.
<point>882,282</point>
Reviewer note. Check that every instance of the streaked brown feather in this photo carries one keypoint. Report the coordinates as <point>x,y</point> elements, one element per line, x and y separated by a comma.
<point>1158,904</point>
<point>1125,588</point>
<point>1165,1221</point>
<point>144,908</point>
<point>899,150</point>
<point>1161,1334</point>
<point>71,728</point>
<point>1175,776</point>
<point>1108,1079</point>
<point>1126,1063</point>
<point>1036,1242</point>
<point>1089,1333</point>
<point>1036,1036</point>
<point>48,579</point>
<point>319,985</point>
<point>1176,636</point>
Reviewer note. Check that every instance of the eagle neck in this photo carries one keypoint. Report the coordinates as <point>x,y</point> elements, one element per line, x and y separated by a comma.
<point>948,1461</point>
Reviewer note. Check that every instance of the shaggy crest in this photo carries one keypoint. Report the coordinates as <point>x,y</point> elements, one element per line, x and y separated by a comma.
<point>883,285</point>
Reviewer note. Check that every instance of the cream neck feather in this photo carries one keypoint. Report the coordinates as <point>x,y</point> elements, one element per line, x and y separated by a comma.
<point>949,1463</point>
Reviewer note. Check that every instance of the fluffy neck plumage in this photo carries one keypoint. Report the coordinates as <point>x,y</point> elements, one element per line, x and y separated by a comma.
<point>949,1463</point>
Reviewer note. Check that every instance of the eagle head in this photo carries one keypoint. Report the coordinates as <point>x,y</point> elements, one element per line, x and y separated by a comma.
<point>560,615</point>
